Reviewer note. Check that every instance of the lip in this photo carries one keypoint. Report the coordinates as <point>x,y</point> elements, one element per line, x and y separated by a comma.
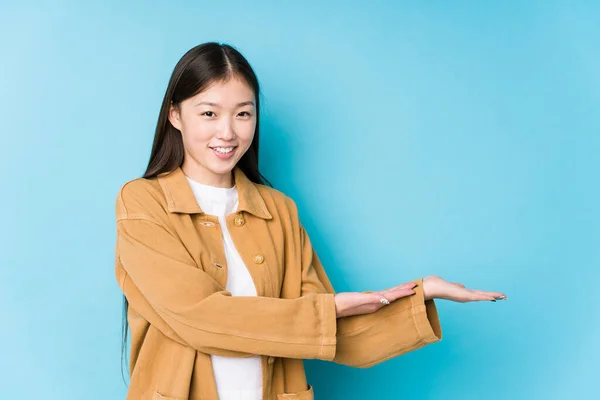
<point>223,156</point>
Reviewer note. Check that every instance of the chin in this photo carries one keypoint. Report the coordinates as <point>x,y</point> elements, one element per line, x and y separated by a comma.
<point>223,169</point>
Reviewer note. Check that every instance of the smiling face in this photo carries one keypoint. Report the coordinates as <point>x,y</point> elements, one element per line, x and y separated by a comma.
<point>217,127</point>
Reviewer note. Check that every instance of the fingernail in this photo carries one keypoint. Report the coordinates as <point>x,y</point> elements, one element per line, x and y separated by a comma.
<point>501,298</point>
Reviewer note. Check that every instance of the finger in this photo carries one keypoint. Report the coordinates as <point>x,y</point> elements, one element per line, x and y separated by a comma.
<point>384,301</point>
<point>480,297</point>
<point>407,285</point>
<point>391,296</point>
<point>378,300</point>
<point>398,293</point>
<point>495,295</point>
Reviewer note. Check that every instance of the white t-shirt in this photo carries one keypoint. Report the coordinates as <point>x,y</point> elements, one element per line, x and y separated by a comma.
<point>236,378</point>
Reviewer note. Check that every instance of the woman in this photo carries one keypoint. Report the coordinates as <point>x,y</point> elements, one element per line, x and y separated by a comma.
<point>224,293</point>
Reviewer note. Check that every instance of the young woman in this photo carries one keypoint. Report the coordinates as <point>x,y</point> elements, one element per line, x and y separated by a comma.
<point>224,293</point>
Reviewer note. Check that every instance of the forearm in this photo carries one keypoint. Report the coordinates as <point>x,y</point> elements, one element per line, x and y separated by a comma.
<point>236,326</point>
<point>405,325</point>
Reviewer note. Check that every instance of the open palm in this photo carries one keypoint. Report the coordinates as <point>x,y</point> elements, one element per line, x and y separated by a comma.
<point>435,287</point>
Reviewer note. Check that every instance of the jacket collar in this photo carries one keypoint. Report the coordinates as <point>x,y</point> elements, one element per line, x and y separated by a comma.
<point>181,199</point>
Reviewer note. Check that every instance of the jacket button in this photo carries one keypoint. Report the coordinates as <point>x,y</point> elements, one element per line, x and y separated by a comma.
<point>271,360</point>
<point>239,220</point>
<point>259,259</point>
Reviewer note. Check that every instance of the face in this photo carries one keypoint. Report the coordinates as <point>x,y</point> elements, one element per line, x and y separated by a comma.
<point>217,127</point>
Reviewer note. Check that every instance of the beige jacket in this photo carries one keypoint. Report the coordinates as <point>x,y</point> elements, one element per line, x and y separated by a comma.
<point>170,264</point>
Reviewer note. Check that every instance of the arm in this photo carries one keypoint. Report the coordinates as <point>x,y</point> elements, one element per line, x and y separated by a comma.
<point>369,339</point>
<point>162,282</point>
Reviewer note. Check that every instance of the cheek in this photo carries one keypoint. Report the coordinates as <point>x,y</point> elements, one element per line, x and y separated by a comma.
<point>196,132</point>
<point>245,134</point>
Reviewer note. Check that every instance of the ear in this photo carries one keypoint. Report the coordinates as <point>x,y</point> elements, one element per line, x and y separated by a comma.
<point>175,117</point>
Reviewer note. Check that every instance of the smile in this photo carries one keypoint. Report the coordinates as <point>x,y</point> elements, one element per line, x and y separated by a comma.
<point>224,152</point>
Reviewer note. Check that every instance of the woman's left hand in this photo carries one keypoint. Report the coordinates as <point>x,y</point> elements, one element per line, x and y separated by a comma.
<point>435,287</point>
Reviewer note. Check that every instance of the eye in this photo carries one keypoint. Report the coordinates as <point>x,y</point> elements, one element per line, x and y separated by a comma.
<point>207,113</point>
<point>245,112</point>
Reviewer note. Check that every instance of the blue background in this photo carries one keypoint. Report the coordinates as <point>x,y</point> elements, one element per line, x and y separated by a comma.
<point>451,138</point>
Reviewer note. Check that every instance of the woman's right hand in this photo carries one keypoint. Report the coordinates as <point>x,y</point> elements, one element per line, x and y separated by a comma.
<point>356,303</point>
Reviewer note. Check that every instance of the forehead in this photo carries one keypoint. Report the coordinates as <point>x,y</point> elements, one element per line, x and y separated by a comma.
<point>226,93</point>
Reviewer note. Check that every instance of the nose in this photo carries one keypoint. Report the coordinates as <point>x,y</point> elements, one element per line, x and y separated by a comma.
<point>226,131</point>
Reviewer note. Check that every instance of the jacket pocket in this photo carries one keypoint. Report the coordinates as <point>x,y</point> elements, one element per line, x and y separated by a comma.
<point>304,395</point>
<point>159,396</point>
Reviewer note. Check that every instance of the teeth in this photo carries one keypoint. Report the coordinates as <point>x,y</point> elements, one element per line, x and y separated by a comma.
<point>224,150</point>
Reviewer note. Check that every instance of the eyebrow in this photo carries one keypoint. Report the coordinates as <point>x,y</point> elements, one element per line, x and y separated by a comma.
<point>244,103</point>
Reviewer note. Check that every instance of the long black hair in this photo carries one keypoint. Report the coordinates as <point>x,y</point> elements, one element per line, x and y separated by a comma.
<point>198,68</point>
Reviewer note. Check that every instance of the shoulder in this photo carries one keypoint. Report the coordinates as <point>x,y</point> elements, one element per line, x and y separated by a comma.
<point>275,196</point>
<point>140,197</point>
<point>278,202</point>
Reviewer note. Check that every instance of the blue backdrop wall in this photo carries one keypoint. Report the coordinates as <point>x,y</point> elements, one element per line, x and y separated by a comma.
<point>451,138</point>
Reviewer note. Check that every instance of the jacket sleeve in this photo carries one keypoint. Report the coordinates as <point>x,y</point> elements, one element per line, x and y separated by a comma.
<point>163,283</point>
<point>365,340</point>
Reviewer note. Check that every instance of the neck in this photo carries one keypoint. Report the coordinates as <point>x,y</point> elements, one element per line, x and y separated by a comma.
<point>204,176</point>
